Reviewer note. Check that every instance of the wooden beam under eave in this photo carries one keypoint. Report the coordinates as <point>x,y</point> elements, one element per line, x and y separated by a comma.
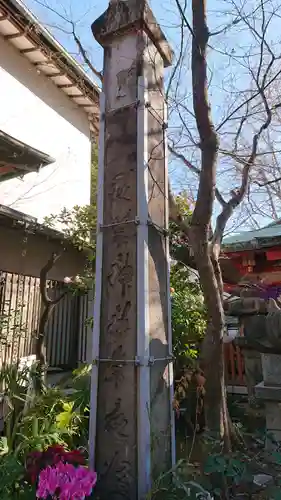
<point>4,17</point>
<point>66,85</point>
<point>14,36</point>
<point>60,73</point>
<point>85,105</point>
<point>42,63</point>
<point>75,96</point>
<point>30,50</point>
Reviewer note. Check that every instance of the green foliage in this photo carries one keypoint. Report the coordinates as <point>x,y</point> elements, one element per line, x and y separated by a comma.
<point>11,473</point>
<point>174,485</point>
<point>185,211</point>
<point>33,424</point>
<point>76,224</point>
<point>13,485</point>
<point>227,466</point>
<point>11,324</point>
<point>94,175</point>
<point>15,382</point>
<point>188,314</point>
<point>79,401</point>
<point>81,384</point>
<point>53,418</point>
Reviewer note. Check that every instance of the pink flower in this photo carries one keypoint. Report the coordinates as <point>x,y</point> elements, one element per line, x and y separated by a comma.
<point>66,482</point>
<point>48,483</point>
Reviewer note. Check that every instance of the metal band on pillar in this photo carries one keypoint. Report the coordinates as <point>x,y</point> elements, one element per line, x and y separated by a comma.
<point>144,454</point>
<point>98,286</point>
<point>170,340</point>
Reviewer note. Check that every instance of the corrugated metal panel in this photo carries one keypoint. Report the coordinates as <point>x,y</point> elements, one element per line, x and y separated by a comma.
<point>67,330</point>
<point>86,328</point>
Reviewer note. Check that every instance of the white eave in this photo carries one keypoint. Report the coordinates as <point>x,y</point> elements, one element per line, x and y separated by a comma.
<point>19,27</point>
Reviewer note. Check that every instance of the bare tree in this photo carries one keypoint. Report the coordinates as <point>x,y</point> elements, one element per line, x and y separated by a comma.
<point>224,156</point>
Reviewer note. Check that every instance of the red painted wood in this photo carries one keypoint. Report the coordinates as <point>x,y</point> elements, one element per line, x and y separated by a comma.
<point>273,254</point>
<point>234,365</point>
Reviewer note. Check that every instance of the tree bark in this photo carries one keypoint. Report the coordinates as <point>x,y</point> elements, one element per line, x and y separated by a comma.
<point>48,306</point>
<point>206,247</point>
<point>212,358</point>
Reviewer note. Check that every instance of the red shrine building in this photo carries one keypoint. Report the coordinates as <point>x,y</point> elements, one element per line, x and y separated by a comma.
<point>252,258</point>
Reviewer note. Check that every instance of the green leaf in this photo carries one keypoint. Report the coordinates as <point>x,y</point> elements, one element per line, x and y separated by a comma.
<point>277,457</point>
<point>4,448</point>
<point>11,471</point>
<point>275,494</point>
<point>214,463</point>
<point>63,419</point>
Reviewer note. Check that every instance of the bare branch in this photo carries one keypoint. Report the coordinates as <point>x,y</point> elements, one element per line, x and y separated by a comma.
<point>84,54</point>
<point>187,163</point>
<point>183,16</point>
<point>195,170</point>
<point>175,69</point>
<point>239,195</point>
<point>77,40</point>
<point>247,101</point>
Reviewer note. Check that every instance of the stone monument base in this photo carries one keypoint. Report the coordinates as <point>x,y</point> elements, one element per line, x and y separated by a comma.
<point>253,372</point>
<point>269,391</point>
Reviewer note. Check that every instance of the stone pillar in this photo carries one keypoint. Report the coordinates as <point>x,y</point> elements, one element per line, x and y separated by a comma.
<point>131,429</point>
<point>253,372</point>
<point>269,391</point>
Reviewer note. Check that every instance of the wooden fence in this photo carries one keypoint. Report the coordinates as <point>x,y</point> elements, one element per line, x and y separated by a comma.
<point>234,366</point>
<point>67,331</point>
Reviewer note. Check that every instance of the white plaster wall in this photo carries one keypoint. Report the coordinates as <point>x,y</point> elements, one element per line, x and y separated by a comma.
<point>34,111</point>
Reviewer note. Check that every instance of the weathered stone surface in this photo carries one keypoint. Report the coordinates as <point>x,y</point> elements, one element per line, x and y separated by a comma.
<point>266,392</point>
<point>263,480</point>
<point>246,306</point>
<point>116,445</point>
<point>253,372</point>
<point>124,15</point>
<point>273,425</point>
<point>261,321</point>
<point>127,453</point>
<point>270,391</point>
<point>271,367</point>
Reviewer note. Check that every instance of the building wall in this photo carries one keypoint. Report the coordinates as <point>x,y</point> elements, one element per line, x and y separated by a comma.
<point>35,111</point>
<point>68,331</point>
<point>23,253</point>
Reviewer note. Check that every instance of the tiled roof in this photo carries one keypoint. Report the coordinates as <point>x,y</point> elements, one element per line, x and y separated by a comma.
<point>254,239</point>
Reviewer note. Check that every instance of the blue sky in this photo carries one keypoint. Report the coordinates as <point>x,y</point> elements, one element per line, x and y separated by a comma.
<point>52,13</point>
<point>227,75</point>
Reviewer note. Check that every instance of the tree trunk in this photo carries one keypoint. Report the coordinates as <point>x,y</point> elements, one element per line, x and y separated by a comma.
<point>212,356</point>
<point>48,304</point>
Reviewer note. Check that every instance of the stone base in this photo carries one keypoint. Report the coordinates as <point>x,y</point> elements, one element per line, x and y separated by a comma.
<point>272,397</point>
<point>253,372</point>
<point>271,368</point>
<point>268,393</point>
